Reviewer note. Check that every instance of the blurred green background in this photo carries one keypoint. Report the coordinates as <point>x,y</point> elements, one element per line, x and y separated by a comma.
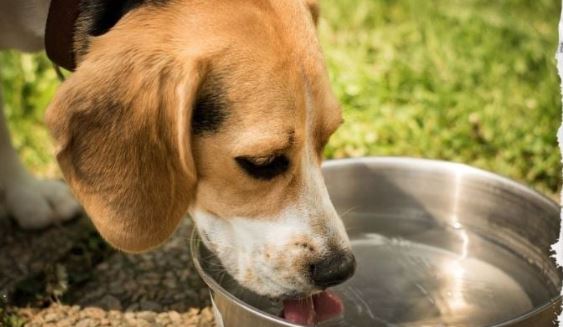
<point>471,81</point>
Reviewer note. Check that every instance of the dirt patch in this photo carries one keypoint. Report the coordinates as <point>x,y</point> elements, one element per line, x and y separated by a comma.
<point>68,276</point>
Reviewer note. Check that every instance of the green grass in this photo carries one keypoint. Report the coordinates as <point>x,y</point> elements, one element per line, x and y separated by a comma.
<point>468,81</point>
<point>29,83</point>
<point>471,81</point>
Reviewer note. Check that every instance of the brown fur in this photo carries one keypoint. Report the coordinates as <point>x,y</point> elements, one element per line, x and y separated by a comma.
<point>122,122</point>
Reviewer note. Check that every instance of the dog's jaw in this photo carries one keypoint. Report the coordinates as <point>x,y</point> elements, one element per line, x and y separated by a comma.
<point>270,255</point>
<point>246,248</point>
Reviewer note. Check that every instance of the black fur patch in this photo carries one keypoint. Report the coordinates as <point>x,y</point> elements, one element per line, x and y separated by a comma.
<point>97,17</point>
<point>210,109</point>
<point>104,14</point>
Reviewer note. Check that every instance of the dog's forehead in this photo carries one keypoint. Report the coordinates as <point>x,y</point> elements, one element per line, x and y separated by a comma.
<point>270,108</point>
<point>271,67</point>
<point>282,28</point>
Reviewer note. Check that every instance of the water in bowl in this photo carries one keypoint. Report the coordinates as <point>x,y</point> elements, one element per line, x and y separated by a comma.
<point>420,273</point>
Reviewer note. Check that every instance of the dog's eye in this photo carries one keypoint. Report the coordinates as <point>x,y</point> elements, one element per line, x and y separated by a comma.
<point>264,167</point>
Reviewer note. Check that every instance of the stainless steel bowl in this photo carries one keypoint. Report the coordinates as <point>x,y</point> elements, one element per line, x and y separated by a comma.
<point>437,244</point>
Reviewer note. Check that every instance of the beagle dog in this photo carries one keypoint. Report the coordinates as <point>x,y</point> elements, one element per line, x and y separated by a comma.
<point>217,108</point>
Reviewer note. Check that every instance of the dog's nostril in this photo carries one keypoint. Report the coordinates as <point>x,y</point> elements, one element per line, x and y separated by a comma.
<point>333,270</point>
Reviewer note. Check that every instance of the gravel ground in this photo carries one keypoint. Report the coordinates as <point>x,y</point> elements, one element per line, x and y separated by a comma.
<point>67,276</point>
<point>60,315</point>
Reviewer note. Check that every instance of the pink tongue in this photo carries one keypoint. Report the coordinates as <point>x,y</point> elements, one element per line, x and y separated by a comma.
<point>311,310</point>
<point>327,305</point>
<point>301,311</point>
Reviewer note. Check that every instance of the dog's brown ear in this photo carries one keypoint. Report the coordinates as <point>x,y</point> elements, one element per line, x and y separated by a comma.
<point>121,123</point>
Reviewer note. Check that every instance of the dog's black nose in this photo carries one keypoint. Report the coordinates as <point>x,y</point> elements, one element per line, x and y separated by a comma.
<point>333,270</point>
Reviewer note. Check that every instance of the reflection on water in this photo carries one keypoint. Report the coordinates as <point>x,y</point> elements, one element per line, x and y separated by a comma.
<point>431,275</point>
<point>401,282</point>
<point>416,273</point>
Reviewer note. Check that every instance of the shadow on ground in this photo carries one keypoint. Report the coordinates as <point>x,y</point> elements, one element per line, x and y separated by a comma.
<point>67,276</point>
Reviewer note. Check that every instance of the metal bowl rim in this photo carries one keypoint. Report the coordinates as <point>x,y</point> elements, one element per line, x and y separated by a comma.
<point>444,165</point>
<point>448,165</point>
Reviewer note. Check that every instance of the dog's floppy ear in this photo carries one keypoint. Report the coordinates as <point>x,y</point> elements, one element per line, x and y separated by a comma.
<point>122,124</point>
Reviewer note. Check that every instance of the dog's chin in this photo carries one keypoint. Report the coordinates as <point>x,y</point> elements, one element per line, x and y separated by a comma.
<point>263,284</point>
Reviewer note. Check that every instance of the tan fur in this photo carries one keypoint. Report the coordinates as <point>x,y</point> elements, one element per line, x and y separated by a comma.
<point>122,121</point>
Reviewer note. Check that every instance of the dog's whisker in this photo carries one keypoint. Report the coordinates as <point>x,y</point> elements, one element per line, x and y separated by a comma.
<point>347,211</point>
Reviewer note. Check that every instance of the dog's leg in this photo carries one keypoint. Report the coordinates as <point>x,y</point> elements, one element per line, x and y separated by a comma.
<point>31,202</point>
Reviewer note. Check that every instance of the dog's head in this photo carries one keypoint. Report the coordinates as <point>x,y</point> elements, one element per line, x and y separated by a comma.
<point>219,108</point>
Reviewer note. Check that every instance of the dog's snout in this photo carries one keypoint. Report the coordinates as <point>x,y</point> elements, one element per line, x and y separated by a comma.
<point>333,270</point>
